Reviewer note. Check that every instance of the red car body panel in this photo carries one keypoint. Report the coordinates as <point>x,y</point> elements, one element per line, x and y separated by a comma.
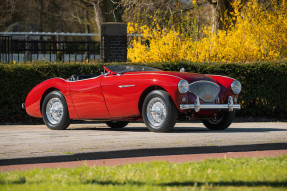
<point>34,98</point>
<point>121,101</point>
<point>224,82</point>
<point>114,96</point>
<point>124,101</point>
<point>88,99</point>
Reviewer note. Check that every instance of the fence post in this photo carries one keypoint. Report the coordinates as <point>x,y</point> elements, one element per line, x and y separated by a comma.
<point>113,42</point>
<point>28,51</point>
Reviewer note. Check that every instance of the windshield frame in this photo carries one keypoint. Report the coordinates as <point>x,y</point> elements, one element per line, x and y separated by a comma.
<point>120,69</point>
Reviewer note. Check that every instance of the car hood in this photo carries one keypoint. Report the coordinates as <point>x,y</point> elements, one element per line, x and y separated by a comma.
<point>190,77</point>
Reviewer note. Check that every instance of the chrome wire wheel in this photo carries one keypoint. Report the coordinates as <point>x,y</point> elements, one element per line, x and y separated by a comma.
<point>159,112</point>
<point>156,112</point>
<point>54,111</point>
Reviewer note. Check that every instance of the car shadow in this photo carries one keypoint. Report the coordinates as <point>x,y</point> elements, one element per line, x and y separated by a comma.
<point>125,129</point>
<point>184,130</point>
<point>229,130</point>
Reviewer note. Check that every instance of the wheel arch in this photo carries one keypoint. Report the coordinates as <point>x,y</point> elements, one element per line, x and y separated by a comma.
<point>46,93</point>
<point>146,92</point>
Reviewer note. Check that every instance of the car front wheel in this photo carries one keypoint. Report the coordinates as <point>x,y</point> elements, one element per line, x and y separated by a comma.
<point>55,111</point>
<point>159,112</point>
<point>221,122</point>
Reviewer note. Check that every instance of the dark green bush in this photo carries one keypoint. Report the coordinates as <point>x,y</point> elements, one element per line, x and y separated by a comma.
<point>264,91</point>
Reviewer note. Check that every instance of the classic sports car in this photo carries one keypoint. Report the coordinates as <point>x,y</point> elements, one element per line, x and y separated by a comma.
<point>123,93</point>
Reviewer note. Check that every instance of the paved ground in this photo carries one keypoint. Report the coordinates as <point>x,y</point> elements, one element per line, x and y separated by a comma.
<point>97,141</point>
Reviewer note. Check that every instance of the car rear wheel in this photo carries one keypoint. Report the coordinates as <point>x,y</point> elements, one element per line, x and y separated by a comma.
<point>221,122</point>
<point>117,124</point>
<point>55,111</point>
<point>159,112</point>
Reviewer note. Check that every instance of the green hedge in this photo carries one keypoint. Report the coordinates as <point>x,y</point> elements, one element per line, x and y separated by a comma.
<point>264,91</point>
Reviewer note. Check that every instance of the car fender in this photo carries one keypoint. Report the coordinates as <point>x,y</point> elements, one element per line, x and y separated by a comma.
<point>35,96</point>
<point>225,84</point>
<point>169,83</point>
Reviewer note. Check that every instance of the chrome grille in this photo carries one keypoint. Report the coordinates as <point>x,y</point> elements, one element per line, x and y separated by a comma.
<point>207,91</point>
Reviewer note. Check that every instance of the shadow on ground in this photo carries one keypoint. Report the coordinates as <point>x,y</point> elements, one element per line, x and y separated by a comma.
<point>144,153</point>
<point>182,130</point>
<point>194,183</point>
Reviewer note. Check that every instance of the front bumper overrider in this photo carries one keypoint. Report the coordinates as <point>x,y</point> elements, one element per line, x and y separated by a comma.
<point>197,106</point>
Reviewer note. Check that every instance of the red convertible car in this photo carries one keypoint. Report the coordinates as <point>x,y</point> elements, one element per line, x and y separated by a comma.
<point>124,93</point>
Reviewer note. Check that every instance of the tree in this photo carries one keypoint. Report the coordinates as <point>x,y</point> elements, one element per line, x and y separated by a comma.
<point>82,11</point>
<point>219,8</point>
<point>222,8</point>
<point>130,10</point>
<point>7,8</point>
<point>107,11</point>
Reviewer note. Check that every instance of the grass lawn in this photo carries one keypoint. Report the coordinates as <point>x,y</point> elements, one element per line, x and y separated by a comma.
<point>213,174</point>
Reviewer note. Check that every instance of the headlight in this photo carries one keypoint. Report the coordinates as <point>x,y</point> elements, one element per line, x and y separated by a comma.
<point>236,87</point>
<point>183,86</point>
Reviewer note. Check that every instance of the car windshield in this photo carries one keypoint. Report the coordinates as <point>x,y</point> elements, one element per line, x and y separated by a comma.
<point>129,68</point>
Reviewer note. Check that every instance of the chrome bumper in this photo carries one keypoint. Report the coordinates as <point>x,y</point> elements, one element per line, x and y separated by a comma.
<point>197,106</point>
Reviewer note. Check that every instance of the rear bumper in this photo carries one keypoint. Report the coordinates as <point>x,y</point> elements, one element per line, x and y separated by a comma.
<point>197,106</point>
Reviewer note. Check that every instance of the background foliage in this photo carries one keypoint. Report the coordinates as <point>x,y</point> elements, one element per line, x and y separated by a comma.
<point>83,15</point>
<point>251,33</point>
<point>263,94</point>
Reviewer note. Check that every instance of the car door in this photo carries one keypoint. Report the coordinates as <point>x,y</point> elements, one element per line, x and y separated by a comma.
<point>87,96</point>
<point>122,93</point>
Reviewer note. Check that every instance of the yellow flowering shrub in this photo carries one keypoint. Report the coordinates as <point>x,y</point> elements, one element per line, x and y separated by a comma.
<point>258,34</point>
<point>163,45</point>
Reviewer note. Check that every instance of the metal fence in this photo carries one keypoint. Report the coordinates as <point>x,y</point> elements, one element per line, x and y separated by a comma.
<point>39,46</point>
<point>5,48</point>
<point>65,47</point>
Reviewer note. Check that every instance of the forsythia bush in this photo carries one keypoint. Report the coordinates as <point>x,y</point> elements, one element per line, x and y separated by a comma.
<point>254,34</point>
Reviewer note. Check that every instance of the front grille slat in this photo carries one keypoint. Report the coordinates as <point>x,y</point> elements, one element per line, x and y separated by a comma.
<point>207,91</point>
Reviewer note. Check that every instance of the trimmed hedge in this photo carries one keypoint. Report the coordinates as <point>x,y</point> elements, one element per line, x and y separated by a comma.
<point>264,85</point>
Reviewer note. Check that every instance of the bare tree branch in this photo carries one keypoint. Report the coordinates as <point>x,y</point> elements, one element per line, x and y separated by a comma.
<point>7,8</point>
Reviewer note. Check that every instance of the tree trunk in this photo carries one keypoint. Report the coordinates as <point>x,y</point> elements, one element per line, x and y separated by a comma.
<point>98,13</point>
<point>107,11</point>
<point>87,30</point>
<point>218,8</point>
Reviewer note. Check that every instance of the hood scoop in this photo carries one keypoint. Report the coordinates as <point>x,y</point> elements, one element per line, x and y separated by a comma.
<point>207,91</point>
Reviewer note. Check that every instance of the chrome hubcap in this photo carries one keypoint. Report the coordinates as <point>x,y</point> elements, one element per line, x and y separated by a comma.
<point>217,119</point>
<point>54,111</point>
<point>156,112</point>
